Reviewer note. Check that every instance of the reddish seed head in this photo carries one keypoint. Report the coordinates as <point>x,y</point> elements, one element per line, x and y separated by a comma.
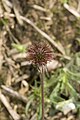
<point>40,53</point>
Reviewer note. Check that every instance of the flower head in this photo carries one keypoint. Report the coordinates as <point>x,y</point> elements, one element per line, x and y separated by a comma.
<point>40,53</point>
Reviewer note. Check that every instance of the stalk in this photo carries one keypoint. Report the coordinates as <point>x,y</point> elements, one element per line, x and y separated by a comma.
<point>42,92</point>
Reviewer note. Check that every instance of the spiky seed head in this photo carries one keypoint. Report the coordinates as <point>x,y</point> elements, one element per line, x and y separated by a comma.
<point>40,53</point>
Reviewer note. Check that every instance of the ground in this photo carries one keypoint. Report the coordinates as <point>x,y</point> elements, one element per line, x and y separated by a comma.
<point>21,23</point>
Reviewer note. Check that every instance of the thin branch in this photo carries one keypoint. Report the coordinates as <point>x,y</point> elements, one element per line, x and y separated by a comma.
<point>34,117</point>
<point>72,10</point>
<point>78,9</point>
<point>50,40</point>
<point>14,115</point>
<point>14,94</point>
<point>37,7</point>
<point>16,11</point>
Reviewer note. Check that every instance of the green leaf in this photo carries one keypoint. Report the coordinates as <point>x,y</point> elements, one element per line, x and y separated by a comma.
<point>4,21</point>
<point>19,47</point>
<point>39,111</point>
<point>64,1</point>
<point>29,103</point>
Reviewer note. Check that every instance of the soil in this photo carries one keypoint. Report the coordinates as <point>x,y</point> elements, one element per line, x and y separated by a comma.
<point>16,72</point>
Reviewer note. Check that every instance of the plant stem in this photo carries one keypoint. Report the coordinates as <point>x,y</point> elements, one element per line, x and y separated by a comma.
<point>42,92</point>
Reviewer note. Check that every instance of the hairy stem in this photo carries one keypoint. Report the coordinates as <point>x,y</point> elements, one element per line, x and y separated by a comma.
<point>42,92</point>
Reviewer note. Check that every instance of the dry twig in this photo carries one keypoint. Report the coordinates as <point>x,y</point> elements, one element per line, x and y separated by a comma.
<point>72,10</point>
<point>1,56</point>
<point>14,94</point>
<point>50,40</point>
<point>37,7</point>
<point>14,115</point>
<point>15,8</point>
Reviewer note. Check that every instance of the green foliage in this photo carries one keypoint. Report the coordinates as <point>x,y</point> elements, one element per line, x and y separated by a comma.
<point>19,47</point>
<point>66,82</point>
<point>63,86</point>
<point>4,21</point>
<point>39,111</point>
<point>61,82</point>
<point>30,100</point>
<point>64,1</point>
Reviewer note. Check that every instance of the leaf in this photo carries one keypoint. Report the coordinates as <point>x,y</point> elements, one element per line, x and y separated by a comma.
<point>29,103</point>
<point>39,111</point>
<point>54,94</point>
<point>77,57</point>
<point>72,91</point>
<point>4,21</point>
<point>19,47</point>
<point>64,1</point>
